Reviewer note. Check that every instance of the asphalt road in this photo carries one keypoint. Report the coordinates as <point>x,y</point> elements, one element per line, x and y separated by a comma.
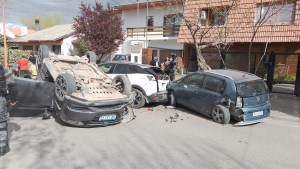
<point>155,139</point>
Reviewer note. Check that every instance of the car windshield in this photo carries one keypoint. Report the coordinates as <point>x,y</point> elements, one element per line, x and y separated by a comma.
<point>119,57</point>
<point>252,88</point>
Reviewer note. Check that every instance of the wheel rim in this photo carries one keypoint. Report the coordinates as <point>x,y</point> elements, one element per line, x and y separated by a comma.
<point>61,88</point>
<point>137,98</point>
<point>217,115</point>
<point>120,86</point>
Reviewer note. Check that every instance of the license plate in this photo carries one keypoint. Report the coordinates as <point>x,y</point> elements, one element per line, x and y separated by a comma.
<point>108,117</point>
<point>258,113</point>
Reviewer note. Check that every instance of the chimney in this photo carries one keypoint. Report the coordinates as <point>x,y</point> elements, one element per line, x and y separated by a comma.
<point>37,24</point>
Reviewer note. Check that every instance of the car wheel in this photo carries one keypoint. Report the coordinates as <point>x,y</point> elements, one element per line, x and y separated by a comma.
<point>220,114</point>
<point>3,109</point>
<point>64,85</point>
<point>43,52</point>
<point>172,99</point>
<point>122,84</point>
<point>138,100</point>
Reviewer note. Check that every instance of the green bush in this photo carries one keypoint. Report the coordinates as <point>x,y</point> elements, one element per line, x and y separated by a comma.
<point>284,77</point>
<point>13,55</point>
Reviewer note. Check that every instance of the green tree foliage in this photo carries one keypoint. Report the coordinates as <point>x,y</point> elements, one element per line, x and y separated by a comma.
<point>45,21</point>
<point>100,27</point>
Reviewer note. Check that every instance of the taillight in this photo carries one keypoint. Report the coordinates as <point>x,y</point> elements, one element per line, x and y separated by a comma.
<point>239,102</point>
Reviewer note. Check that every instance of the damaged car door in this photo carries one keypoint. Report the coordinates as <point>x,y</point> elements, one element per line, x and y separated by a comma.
<point>34,93</point>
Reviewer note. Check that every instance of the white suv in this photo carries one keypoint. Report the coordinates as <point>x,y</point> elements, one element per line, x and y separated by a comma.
<point>148,82</point>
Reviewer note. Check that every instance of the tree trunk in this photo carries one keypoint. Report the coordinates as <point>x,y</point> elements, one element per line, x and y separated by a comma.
<point>202,65</point>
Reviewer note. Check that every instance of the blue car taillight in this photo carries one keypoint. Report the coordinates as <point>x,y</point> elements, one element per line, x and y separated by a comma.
<point>239,102</point>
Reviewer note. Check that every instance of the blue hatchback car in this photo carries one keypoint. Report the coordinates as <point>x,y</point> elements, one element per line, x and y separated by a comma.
<point>223,94</point>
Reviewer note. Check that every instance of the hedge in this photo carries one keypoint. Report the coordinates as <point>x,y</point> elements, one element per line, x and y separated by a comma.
<point>13,55</point>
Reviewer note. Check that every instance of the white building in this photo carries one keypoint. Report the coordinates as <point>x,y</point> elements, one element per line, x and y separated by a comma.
<point>7,31</point>
<point>150,27</point>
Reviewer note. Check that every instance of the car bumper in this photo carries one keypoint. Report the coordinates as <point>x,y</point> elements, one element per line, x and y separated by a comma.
<point>158,97</point>
<point>250,115</point>
<point>90,112</point>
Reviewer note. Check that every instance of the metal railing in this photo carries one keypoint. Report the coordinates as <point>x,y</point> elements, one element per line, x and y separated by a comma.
<point>160,31</point>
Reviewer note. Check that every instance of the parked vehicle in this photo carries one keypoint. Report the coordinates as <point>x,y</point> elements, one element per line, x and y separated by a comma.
<point>121,57</point>
<point>223,94</point>
<point>149,82</point>
<point>80,93</point>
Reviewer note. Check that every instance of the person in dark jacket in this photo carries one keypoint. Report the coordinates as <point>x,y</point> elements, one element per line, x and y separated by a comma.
<point>8,96</point>
<point>171,69</point>
<point>32,58</point>
<point>155,62</point>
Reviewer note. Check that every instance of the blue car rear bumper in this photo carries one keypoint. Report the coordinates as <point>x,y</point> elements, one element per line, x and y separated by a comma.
<point>256,113</point>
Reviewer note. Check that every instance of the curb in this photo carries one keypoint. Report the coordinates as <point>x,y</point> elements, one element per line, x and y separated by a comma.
<point>286,119</point>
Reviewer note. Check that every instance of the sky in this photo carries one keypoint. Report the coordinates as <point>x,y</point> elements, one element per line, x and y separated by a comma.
<point>67,9</point>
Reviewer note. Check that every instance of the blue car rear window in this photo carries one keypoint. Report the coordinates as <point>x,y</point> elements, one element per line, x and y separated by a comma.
<point>251,88</point>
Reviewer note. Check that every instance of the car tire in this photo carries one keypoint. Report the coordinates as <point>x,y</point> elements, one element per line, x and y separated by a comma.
<point>3,110</point>
<point>138,100</point>
<point>173,99</point>
<point>91,56</point>
<point>64,85</point>
<point>220,114</point>
<point>122,84</point>
<point>43,52</point>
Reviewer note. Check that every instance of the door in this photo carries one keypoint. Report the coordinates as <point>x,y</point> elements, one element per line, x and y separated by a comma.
<point>34,93</point>
<point>187,90</point>
<point>213,89</point>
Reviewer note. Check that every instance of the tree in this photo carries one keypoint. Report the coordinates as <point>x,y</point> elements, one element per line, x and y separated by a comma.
<point>100,27</point>
<point>45,21</point>
<point>204,31</point>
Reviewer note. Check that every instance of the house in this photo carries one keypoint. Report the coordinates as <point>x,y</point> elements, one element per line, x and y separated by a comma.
<point>280,31</point>
<point>8,32</point>
<point>58,38</point>
<point>150,30</point>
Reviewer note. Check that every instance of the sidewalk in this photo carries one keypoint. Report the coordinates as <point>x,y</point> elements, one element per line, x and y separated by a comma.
<point>285,106</point>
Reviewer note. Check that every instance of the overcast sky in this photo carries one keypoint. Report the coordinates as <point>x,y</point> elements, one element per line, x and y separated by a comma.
<point>67,9</point>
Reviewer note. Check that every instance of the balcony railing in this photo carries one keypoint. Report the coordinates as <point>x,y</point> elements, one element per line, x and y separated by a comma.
<point>154,31</point>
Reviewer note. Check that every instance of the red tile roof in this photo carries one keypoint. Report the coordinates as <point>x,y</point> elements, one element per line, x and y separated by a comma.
<point>240,23</point>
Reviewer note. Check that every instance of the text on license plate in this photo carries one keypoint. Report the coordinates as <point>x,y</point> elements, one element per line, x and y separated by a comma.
<point>108,117</point>
<point>258,113</point>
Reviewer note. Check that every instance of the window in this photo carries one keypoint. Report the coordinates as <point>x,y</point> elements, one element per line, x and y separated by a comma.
<point>172,22</point>
<point>107,68</point>
<point>252,88</point>
<point>214,84</point>
<point>56,49</point>
<point>194,80</point>
<point>275,13</point>
<point>150,22</point>
<point>214,16</point>
<point>121,69</point>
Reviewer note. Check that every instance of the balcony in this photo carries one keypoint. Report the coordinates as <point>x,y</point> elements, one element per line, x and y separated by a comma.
<point>153,32</point>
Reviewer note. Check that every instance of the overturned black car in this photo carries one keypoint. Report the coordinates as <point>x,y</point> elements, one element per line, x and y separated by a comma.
<point>78,92</point>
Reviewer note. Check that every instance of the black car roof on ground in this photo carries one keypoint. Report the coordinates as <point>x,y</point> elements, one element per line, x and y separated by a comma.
<point>235,75</point>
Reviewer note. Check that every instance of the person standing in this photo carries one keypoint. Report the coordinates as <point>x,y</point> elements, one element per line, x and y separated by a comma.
<point>171,69</point>
<point>167,62</point>
<point>8,96</point>
<point>23,67</point>
<point>32,58</point>
<point>155,62</point>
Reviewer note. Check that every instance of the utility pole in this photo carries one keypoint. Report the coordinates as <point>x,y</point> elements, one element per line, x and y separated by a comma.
<point>138,19</point>
<point>4,35</point>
